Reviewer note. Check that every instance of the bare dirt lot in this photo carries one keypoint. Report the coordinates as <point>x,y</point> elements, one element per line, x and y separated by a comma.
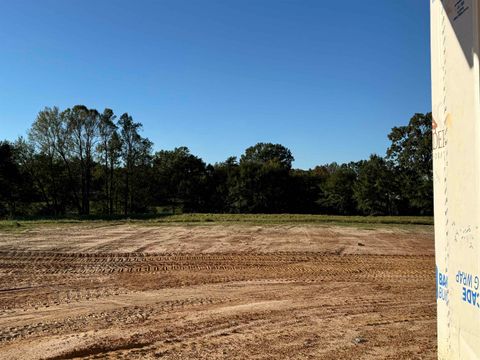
<point>130,291</point>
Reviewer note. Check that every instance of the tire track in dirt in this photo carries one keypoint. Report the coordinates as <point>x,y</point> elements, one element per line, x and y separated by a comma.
<point>82,263</point>
<point>114,300</point>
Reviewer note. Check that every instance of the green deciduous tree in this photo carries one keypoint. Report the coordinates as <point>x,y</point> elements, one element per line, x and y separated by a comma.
<point>136,157</point>
<point>50,137</point>
<point>10,180</point>
<point>411,153</point>
<point>263,179</point>
<point>180,179</point>
<point>375,189</point>
<point>83,126</point>
<point>80,160</point>
<point>337,191</point>
<point>108,149</point>
<point>268,153</point>
<point>220,185</point>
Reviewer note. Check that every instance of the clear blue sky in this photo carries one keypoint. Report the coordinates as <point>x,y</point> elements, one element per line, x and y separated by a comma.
<point>327,79</point>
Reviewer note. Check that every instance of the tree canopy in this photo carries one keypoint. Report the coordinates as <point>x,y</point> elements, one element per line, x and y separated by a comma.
<point>411,153</point>
<point>86,162</point>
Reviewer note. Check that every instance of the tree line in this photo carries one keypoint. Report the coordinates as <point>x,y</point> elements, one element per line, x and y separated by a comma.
<point>82,161</point>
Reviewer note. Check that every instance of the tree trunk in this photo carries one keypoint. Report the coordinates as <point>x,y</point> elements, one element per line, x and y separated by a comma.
<point>72,183</point>
<point>126,191</point>
<point>111,188</point>
<point>88,178</point>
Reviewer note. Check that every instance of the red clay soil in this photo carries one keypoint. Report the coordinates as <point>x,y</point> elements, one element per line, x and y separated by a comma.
<point>217,292</point>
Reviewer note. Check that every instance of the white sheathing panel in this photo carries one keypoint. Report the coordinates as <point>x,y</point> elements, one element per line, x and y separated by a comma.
<point>456,167</point>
